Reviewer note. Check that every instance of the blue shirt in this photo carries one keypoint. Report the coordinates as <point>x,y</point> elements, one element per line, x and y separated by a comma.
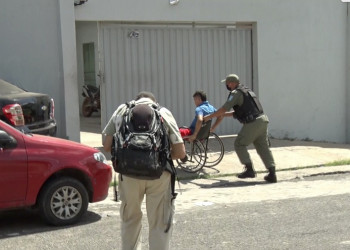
<point>205,108</point>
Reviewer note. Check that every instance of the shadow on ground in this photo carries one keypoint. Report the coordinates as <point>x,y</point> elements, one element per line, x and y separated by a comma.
<point>27,221</point>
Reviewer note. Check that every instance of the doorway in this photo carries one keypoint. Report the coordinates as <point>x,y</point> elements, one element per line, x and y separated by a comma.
<point>89,64</point>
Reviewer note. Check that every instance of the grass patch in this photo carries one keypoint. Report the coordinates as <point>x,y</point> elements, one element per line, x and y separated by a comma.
<point>338,163</point>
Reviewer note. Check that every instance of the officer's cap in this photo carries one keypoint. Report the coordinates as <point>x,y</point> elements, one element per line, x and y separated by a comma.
<point>231,78</point>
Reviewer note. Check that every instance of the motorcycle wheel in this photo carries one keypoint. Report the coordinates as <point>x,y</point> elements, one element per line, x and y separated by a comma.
<point>87,108</point>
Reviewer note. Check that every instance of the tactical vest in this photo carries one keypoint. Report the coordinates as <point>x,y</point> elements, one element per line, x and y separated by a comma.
<point>250,108</point>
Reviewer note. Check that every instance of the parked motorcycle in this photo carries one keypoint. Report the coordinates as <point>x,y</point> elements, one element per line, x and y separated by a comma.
<point>91,102</point>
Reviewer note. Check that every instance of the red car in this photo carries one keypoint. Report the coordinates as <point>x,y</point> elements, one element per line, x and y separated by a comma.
<point>58,176</point>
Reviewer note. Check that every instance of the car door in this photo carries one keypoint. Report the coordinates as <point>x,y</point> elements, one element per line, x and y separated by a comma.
<point>13,168</point>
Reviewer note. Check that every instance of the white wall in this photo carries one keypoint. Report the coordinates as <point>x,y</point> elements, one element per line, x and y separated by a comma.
<point>37,52</point>
<point>69,66</point>
<point>347,90</point>
<point>302,70</point>
<point>30,49</point>
<point>301,54</point>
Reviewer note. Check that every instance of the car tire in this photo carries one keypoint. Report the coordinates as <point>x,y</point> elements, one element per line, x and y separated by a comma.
<point>63,201</point>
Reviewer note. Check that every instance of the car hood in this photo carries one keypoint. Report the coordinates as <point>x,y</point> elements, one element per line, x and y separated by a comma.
<point>46,142</point>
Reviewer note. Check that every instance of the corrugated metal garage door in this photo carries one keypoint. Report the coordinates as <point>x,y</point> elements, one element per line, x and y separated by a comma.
<point>172,62</point>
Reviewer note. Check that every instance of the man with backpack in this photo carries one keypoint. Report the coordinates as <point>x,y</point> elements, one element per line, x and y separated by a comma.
<point>144,139</point>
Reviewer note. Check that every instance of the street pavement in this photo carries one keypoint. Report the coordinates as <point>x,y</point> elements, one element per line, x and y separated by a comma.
<point>226,198</point>
<point>306,209</point>
<point>294,159</point>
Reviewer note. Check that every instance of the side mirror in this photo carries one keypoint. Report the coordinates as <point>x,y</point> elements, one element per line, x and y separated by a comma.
<point>7,141</point>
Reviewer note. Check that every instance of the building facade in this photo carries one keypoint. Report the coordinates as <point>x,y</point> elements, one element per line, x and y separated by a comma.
<point>295,55</point>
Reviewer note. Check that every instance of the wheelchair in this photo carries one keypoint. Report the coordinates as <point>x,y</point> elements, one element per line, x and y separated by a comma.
<point>207,150</point>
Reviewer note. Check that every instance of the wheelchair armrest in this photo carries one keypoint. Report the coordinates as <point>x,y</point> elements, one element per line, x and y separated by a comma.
<point>184,127</point>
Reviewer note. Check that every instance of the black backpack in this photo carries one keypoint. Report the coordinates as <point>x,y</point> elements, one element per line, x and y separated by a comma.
<point>141,146</point>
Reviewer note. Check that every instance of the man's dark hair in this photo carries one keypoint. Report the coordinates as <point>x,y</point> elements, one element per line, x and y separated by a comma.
<point>201,94</point>
<point>147,95</point>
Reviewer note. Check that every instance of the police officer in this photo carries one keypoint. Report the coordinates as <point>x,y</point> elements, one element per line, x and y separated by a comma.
<point>248,110</point>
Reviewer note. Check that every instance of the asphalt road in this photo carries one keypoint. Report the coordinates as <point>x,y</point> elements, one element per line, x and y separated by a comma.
<point>306,213</point>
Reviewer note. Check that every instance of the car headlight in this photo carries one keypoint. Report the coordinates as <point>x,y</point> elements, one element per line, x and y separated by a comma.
<point>100,157</point>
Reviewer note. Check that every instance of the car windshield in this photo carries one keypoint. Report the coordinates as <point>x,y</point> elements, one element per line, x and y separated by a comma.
<point>9,89</point>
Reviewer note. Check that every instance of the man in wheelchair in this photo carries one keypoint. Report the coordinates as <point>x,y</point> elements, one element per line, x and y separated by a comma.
<point>203,108</point>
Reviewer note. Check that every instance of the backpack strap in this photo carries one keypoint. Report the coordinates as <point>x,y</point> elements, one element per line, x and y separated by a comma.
<point>173,179</point>
<point>125,120</point>
<point>130,104</point>
<point>126,115</point>
<point>115,188</point>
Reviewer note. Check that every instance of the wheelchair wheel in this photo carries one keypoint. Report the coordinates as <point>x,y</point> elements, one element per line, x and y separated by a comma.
<point>196,157</point>
<point>214,149</point>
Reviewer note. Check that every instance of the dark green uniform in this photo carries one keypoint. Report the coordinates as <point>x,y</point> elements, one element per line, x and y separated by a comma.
<point>255,132</point>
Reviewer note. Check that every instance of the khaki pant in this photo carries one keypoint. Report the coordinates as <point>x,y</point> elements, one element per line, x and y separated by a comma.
<point>158,206</point>
<point>255,132</point>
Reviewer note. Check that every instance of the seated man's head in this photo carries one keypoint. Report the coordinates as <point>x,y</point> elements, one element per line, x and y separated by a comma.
<point>198,97</point>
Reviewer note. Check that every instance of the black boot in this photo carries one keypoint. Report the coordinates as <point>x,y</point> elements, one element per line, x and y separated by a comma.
<point>248,172</point>
<point>271,177</point>
<point>183,160</point>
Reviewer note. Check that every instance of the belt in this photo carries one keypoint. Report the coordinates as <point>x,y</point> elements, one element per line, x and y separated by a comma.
<point>250,118</point>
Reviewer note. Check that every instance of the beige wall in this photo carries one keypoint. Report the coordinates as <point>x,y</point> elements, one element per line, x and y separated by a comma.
<point>301,52</point>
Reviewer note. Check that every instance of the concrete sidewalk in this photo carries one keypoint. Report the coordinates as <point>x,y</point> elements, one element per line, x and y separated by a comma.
<point>289,155</point>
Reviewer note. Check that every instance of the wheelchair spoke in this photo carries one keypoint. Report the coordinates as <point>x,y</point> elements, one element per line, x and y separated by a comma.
<point>214,150</point>
<point>196,157</point>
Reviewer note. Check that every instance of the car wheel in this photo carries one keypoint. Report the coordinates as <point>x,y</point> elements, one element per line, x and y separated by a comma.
<point>63,201</point>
